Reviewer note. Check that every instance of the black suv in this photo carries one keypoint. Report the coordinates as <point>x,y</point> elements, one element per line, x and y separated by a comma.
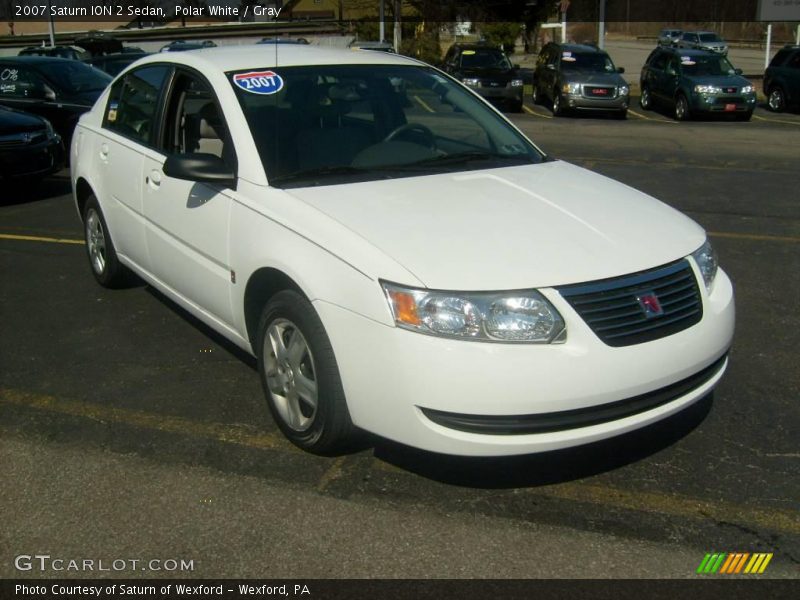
<point>487,71</point>
<point>578,76</point>
<point>782,79</point>
<point>695,81</point>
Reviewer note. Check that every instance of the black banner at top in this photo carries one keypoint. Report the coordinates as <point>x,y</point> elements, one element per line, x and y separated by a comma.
<point>164,11</point>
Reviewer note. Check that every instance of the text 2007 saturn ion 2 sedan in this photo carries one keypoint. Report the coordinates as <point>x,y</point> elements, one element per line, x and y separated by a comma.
<point>396,254</point>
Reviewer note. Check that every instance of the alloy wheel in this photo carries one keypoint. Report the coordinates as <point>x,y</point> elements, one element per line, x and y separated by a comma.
<point>96,241</point>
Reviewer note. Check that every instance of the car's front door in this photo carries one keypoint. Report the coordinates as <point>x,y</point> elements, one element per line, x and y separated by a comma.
<point>187,222</point>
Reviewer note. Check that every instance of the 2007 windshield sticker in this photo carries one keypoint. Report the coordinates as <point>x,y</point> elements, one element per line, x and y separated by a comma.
<point>259,82</point>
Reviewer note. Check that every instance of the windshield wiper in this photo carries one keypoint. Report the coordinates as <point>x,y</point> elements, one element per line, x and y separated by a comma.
<point>460,158</point>
<point>317,172</point>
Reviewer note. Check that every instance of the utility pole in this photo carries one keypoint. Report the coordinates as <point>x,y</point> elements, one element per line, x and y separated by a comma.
<point>51,25</point>
<point>398,33</point>
<point>601,25</point>
<point>381,17</point>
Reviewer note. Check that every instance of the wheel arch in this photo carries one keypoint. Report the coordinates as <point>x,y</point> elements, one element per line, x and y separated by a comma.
<point>262,285</point>
<point>83,191</point>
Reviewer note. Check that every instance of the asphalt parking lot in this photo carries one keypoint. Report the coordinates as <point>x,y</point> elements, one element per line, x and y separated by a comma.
<point>128,430</point>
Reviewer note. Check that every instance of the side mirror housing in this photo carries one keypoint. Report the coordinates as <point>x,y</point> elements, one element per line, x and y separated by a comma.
<point>203,168</point>
<point>550,67</point>
<point>621,70</point>
<point>516,65</point>
<point>738,71</point>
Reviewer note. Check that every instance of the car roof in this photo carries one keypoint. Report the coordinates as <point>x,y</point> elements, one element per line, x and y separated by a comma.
<point>475,46</point>
<point>580,48</point>
<point>234,58</point>
<point>36,60</point>
<point>699,31</point>
<point>690,51</point>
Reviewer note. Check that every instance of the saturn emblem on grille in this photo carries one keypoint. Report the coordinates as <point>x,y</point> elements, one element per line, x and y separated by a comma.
<point>650,305</point>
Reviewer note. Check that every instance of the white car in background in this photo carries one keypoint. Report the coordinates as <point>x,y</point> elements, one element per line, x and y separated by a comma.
<point>399,258</point>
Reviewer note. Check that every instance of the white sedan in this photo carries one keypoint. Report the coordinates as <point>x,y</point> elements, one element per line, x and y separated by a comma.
<point>396,254</point>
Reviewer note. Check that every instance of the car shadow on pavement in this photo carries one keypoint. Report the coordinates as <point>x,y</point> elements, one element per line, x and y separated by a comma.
<point>548,467</point>
<point>29,190</point>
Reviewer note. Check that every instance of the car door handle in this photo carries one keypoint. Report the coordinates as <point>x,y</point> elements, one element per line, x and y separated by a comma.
<point>154,179</point>
<point>104,152</point>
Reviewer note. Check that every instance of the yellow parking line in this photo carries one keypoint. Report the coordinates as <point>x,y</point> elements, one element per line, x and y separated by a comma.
<point>424,104</point>
<point>646,118</point>
<point>232,434</point>
<point>776,120</point>
<point>652,502</point>
<point>530,111</point>
<point>755,237</point>
<point>36,238</point>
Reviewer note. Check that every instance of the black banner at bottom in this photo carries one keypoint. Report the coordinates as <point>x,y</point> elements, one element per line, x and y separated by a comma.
<point>399,589</point>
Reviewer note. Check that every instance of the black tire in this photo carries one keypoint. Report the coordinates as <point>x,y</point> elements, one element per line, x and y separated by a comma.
<point>558,105</point>
<point>621,115</point>
<point>745,116</point>
<point>646,99</point>
<point>776,99</point>
<point>103,261</point>
<point>682,110</point>
<point>516,107</point>
<point>326,428</point>
<point>536,96</point>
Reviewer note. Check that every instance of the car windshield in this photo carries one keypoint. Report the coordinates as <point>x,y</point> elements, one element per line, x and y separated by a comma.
<point>586,61</point>
<point>321,125</point>
<point>484,58</point>
<point>74,77</point>
<point>709,37</point>
<point>706,65</point>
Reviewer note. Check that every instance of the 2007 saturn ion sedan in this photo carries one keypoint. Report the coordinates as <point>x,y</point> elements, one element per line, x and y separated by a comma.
<point>396,254</point>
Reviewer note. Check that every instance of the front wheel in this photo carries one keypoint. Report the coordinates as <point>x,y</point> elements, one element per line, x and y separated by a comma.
<point>536,97</point>
<point>106,268</point>
<point>645,100</point>
<point>776,100</point>
<point>682,112</point>
<point>300,376</point>
<point>558,105</point>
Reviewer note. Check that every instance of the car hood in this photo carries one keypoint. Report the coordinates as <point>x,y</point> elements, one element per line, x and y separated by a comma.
<point>511,228</point>
<point>14,121</point>
<point>501,74</point>
<point>593,78</point>
<point>719,80</point>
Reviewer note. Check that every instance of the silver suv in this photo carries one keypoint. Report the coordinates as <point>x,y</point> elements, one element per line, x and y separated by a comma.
<point>669,37</point>
<point>703,40</point>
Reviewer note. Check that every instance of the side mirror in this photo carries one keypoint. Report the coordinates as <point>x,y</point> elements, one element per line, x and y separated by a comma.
<point>621,70</point>
<point>738,71</point>
<point>516,65</point>
<point>204,168</point>
<point>550,67</point>
<point>42,93</point>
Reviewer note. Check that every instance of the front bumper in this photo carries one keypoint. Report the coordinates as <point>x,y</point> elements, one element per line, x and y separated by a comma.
<point>392,376</point>
<point>580,102</point>
<point>722,103</point>
<point>500,94</point>
<point>35,160</point>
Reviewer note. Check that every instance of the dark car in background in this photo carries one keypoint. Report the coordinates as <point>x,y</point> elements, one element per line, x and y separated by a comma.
<point>283,40</point>
<point>29,146</point>
<point>695,81</point>
<point>71,52</point>
<point>669,37</point>
<point>703,40</point>
<point>114,64</point>
<point>579,77</point>
<point>782,79</point>
<point>488,71</point>
<point>57,89</point>
<point>183,45</point>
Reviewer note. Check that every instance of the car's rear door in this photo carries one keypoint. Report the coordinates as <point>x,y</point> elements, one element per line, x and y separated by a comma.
<point>127,132</point>
<point>186,221</point>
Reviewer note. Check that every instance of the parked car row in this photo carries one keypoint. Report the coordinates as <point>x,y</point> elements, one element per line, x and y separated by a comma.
<point>697,40</point>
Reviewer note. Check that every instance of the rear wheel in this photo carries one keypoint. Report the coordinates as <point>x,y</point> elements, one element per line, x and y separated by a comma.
<point>536,97</point>
<point>776,100</point>
<point>682,112</point>
<point>106,268</point>
<point>300,376</point>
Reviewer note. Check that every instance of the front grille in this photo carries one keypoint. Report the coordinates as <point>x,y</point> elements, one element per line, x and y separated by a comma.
<point>16,140</point>
<point>599,91</point>
<point>620,312</point>
<point>736,100</point>
<point>574,419</point>
<point>491,83</point>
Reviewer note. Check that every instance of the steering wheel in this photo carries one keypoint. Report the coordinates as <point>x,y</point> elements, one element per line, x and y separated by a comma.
<point>430,139</point>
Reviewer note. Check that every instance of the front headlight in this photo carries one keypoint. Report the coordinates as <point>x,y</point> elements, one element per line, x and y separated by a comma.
<point>707,89</point>
<point>524,316</point>
<point>516,83</point>
<point>471,81</point>
<point>748,89</point>
<point>571,88</point>
<point>707,262</point>
<point>624,90</point>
